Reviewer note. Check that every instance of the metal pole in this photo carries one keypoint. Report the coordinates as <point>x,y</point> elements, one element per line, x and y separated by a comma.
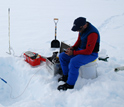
<point>9,30</point>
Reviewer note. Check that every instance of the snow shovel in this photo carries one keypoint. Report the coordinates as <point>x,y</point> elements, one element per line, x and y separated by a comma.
<point>55,43</point>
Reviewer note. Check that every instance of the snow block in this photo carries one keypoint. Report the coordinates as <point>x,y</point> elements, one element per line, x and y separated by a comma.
<point>88,71</point>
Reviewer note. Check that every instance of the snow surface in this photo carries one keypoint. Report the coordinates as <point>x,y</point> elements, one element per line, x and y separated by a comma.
<point>32,29</point>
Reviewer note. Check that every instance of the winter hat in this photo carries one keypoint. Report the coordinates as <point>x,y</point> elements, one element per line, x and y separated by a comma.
<point>81,21</point>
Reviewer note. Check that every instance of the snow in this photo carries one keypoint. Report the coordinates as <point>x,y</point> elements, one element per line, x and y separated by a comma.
<point>32,29</point>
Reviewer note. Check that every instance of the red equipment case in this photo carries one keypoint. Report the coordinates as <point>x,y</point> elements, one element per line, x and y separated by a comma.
<point>32,58</point>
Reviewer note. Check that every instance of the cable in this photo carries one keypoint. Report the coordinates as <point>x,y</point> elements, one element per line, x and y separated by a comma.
<point>13,52</point>
<point>11,89</point>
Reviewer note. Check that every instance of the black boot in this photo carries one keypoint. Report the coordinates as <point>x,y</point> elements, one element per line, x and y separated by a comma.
<point>63,78</point>
<point>65,87</point>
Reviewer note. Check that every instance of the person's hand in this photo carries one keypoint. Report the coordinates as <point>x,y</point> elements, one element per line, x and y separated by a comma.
<point>70,48</point>
<point>69,52</point>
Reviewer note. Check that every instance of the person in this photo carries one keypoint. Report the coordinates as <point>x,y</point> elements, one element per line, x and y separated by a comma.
<point>84,51</point>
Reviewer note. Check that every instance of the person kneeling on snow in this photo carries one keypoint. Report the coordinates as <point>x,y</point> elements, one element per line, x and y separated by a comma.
<point>84,51</point>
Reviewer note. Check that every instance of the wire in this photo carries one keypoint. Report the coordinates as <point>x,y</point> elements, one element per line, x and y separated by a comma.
<point>13,53</point>
<point>11,89</point>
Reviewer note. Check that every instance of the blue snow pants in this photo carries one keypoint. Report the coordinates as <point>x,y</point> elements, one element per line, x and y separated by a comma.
<point>70,65</point>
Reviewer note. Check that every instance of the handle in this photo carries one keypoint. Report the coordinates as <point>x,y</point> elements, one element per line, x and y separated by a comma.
<point>56,21</point>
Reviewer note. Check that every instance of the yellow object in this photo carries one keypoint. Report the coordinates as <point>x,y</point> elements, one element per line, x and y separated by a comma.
<point>94,60</point>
